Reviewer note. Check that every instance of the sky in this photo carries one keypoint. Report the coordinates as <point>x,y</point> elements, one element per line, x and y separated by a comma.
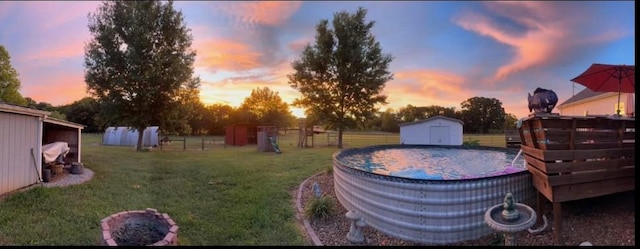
<point>445,52</point>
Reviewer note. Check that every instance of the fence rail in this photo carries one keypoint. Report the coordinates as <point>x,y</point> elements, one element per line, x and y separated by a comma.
<point>290,139</point>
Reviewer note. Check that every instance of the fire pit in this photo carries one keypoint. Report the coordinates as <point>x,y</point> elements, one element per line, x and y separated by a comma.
<point>139,228</point>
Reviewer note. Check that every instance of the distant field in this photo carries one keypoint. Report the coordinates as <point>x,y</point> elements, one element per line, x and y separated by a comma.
<point>350,139</point>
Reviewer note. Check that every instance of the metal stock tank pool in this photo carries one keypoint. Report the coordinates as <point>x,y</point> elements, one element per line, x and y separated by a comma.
<point>429,194</point>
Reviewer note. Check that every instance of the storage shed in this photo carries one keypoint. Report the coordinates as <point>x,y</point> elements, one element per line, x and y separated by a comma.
<point>240,134</point>
<point>436,130</point>
<point>264,133</point>
<point>23,131</point>
<point>127,136</point>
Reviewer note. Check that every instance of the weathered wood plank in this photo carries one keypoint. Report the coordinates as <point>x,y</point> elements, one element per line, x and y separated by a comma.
<point>538,164</point>
<point>584,146</point>
<point>592,189</point>
<point>579,166</point>
<point>575,178</point>
<point>595,146</point>
<point>629,136</point>
<point>540,182</point>
<point>580,154</point>
<point>605,136</point>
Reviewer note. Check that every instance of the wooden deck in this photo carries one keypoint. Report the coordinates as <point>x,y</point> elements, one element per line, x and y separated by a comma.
<point>512,138</point>
<point>572,158</point>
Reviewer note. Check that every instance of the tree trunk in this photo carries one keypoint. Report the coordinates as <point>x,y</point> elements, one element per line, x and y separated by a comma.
<point>140,134</point>
<point>340,137</point>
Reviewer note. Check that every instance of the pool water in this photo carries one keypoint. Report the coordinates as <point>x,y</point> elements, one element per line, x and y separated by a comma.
<point>436,163</point>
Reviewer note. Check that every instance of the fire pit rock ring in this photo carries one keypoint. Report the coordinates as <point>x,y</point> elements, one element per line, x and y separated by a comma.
<point>139,228</point>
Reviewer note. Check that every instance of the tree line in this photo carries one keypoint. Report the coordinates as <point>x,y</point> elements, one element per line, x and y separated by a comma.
<point>265,107</point>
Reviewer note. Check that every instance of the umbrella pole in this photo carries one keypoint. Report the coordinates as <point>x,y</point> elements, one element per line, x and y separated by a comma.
<point>619,84</point>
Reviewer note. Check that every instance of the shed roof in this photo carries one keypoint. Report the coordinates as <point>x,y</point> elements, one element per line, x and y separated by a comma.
<point>6,107</point>
<point>433,118</point>
<point>584,96</point>
<point>11,108</point>
<point>241,124</point>
<point>63,123</point>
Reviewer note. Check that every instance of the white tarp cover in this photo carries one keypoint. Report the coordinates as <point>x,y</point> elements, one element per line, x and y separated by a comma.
<point>50,152</point>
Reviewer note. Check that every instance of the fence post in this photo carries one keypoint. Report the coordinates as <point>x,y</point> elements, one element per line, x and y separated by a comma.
<point>184,143</point>
<point>202,142</point>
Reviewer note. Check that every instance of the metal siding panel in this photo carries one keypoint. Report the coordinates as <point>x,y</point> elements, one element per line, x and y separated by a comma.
<point>30,141</point>
<point>19,134</point>
<point>425,211</point>
<point>4,152</point>
<point>80,144</point>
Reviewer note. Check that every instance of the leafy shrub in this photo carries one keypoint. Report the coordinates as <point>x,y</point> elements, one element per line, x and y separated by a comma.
<point>329,169</point>
<point>471,143</point>
<point>319,208</point>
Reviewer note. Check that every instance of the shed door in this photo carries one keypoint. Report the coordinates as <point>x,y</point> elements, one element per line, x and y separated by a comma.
<point>439,135</point>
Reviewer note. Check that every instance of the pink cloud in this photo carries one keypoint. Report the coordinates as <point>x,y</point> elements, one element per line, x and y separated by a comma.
<point>269,13</point>
<point>57,89</point>
<point>72,49</point>
<point>54,23</point>
<point>549,32</point>
<point>54,14</point>
<point>222,54</point>
<point>425,88</point>
<point>298,45</point>
<point>235,93</point>
<point>232,90</point>
<point>531,49</point>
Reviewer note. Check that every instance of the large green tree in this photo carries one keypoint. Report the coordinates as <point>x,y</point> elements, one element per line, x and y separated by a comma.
<point>341,76</point>
<point>481,114</point>
<point>412,113</point>
<point>139,64</point>
<point>265,107</point>
<point>56,112</point>
<point>85,112</point>
<point>510,121</point>
<point>217,117</point>
<point>389,121</point>
<point>9,82</point>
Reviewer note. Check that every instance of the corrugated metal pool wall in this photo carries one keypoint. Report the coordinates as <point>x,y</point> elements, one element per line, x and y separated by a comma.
<point>427,211</point>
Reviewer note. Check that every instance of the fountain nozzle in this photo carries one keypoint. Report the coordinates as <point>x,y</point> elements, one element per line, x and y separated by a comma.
<point>509,212</point>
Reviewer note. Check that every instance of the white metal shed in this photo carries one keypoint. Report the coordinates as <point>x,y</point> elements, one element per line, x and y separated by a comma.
<point>128,136</point>
<point>23,131</point>
<point>436,130</point>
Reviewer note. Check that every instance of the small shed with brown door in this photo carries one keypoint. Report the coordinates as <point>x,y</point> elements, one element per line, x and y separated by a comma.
<point>240,134</point>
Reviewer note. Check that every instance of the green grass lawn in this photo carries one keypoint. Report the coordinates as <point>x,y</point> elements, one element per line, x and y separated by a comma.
<point>218,196</point>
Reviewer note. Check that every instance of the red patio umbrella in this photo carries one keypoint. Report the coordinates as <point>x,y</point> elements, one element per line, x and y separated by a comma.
<point>609,78</point>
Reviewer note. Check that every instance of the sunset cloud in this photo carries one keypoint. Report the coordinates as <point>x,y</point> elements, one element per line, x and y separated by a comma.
<point>425,88</point>
<point>217,90</point>
<point>544,33</point>
<point>248,15</point>
<point>537,43</point>
<point>60,88</point>
<point>222,54</point>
